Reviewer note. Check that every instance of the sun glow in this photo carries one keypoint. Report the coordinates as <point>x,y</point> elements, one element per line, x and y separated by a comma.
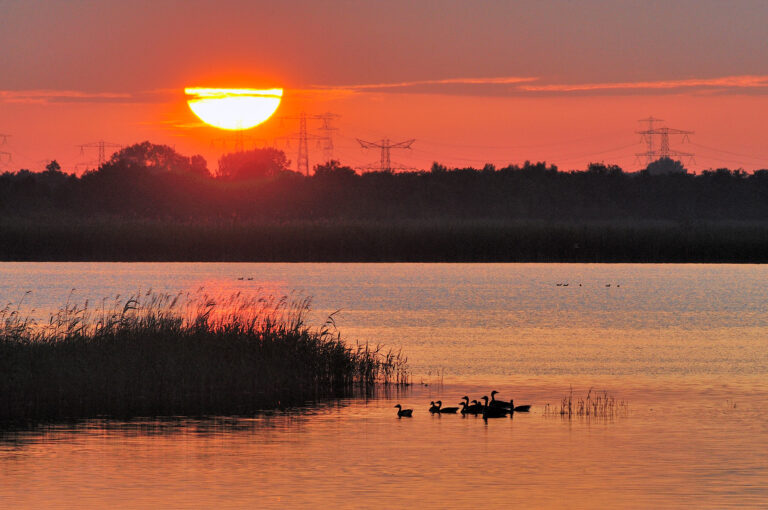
<point>233,108</point>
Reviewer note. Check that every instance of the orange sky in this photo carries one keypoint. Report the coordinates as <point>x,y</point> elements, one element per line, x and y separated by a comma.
<point>487,82</point>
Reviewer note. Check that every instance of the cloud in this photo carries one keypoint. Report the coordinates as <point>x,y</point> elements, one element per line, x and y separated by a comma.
<point>58,96</point>
<point>521,86</point>
<point>460,86</point>
<point>45,96</point>
<point>725,82</point>
<point>503,80</point>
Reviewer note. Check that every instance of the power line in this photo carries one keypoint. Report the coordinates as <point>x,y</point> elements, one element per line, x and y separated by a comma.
<point>385,162</point>
<point>102,147</point>
<point>303,136</point>
<point>664,151</point>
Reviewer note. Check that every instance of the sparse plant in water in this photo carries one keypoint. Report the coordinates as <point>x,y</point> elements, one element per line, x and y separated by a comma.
<point>599,405</point>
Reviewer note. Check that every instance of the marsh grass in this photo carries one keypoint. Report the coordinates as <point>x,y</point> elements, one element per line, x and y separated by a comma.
<point>184,354</point>
<point>600,405</point>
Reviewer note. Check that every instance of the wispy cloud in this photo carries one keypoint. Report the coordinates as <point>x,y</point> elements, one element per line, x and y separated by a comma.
<point>59,96</point>
<point>453,85</point>
<point>725,82</point>
<point>503,80</point>
<point>46,96</point>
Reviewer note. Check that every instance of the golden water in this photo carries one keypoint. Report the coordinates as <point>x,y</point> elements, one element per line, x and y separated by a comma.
<point>684,345</point>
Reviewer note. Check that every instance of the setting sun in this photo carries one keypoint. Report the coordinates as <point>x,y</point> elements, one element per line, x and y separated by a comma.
<point>233,108</point>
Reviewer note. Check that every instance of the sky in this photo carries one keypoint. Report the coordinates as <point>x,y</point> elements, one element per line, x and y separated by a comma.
<point>471,82</point>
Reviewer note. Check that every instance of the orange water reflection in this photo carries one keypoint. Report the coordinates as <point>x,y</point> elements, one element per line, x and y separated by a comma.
<point>683,345</point>
<point>692,448</point>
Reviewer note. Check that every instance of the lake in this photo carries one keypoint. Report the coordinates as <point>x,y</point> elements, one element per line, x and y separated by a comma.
<point>683,347</point>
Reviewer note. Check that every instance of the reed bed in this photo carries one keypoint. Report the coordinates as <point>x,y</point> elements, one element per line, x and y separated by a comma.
<point>185,354</point>
<point>600,405</point>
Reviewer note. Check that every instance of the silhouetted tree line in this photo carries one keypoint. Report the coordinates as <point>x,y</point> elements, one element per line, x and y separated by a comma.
<point>154,181</point>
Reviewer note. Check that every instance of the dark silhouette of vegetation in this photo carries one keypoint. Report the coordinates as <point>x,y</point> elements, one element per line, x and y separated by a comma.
<point>166,355</point>
<point>150,203</point>
<point>665,166</point>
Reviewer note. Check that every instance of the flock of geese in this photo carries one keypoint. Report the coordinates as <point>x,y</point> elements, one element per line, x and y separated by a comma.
<point>488,409</point>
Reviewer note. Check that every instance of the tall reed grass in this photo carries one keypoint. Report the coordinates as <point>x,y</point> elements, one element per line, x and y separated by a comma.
<point>160,354</point>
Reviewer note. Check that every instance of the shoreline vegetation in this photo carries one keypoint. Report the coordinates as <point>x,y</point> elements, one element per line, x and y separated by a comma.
<point>165,355</point>
<point>147,202</point>
<point>120,239</point>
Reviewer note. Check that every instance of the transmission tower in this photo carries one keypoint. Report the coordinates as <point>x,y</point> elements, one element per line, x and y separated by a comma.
<point>652,154</point>
<point>5,155</point>
<point>238,142</point>
<point>325,140</point>
<point>102,147</point>
<point>385,163</point>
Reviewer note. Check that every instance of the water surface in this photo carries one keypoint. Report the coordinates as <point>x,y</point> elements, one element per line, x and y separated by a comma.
<point>684,345</point>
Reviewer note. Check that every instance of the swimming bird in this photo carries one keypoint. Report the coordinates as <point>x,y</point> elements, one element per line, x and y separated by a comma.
<point>518,409</point>
<point>433,408</point>
<point>403,412</point>
<point>475,407</point>
<point>445,410</point>
<point>492,412</point>
<point>497,403</point>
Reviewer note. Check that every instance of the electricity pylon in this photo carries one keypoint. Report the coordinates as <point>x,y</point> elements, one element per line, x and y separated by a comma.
<point>385,162</point>
<point>102,147</point>
<point>5,155</point>
<point>303,137</point>
<point>652,154</point>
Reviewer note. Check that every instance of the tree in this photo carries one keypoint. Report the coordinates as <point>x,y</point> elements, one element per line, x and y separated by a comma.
<point>334,170</point>
<point>155,159</point>
<point>665,166</point>
<point>253,164</point>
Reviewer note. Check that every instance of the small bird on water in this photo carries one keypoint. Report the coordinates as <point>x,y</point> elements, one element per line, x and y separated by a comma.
<point>445,410</point>
<point>403,413</point>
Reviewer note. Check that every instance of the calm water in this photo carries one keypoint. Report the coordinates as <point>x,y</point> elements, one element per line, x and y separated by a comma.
<point>684,345</point>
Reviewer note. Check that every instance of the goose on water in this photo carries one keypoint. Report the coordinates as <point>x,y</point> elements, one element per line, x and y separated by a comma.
<point>475,407</point>
<point>445,410</point>
<point>493,412</point>
<point>518,409</point>
<point>403,413</point>
<point>433,408</point>
<point>497,403</point>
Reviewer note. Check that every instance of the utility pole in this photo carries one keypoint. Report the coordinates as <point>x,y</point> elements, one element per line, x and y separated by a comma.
<point>385,161</point>
<point>102,147</point>
<point>664,151</point>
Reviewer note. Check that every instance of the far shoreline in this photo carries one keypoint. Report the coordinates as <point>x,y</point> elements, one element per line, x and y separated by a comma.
<point>440,240</point>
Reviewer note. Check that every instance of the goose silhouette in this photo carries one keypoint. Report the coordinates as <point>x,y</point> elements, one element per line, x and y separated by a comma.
<point>492,412</point>
<point>403,413</point>
<point>474,408</point>
<point>518,409</point>
<point>497,403</point>
<point>445,410</point>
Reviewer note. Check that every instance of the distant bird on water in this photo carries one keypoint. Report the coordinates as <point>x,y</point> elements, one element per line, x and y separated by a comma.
<point>518,409</point>
<point>445,410</point>
<point>492,412</point>
<point>474,408</point>
<point>403,413</point>
<point>433,408</point>
<point>497,403</point>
